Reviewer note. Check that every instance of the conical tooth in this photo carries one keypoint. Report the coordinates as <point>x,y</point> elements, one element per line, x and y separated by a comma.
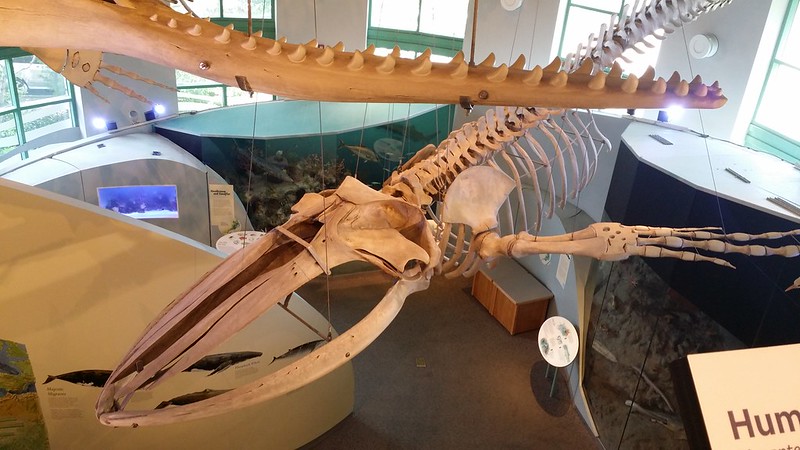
<point>499,74</point>
<point>534,76</point>
<point>559,79</point>
<point>714,90</point>
<point>395,52</point>
<point>616,71</point>
<point>488,62</point>
<point>649,74</point>
<point>659,87</point>
<point>370,50</point>
<point>554,66</point>
<point>298,55</point>
<point>154,17</point>
<point>674,80</point>
<point>339,47</point>
<point>585,68</point>
<point>701,90</point>
<point>387,66</point>
<point>312,43</point>
<point>172,23</point>
<point>696,87</point>
<point>224,37</point>
<point>276,48</point>
<point>195,30</point>
<point>282,39</point>
<point>326,58</point>
<point>207,19</point>
<point>683,89</point>
<point>357,62</point>
<point>598,81</point>
<point>250,43</point>
<point>422,65</point>
<point>519,64</point>
<point>460,67</point>
<point>630,84</point>
<point>258,33</point>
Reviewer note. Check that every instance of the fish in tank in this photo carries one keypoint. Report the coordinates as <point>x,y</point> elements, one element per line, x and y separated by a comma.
<point>140,202</point>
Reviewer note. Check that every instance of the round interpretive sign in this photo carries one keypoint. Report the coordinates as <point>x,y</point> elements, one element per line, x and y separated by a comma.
<point>236,240</point>
<point>558,341</point>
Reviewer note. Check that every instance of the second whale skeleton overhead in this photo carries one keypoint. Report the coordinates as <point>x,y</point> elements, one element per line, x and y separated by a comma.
<point>388,228</point>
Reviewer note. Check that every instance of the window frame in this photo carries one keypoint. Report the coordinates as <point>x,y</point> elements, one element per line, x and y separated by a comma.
<point>412,40</point>
<point>569,9</point>
<point>239,24</point>
<point>759,135</point>
<point>16,110</point>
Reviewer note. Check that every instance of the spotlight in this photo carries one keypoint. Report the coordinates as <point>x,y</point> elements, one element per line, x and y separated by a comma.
<point>159,109</point>
<point>675,112</point>
<point>99,123</point>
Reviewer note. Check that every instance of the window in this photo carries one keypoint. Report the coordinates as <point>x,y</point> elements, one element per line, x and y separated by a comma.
<point>415,25</point>
<point>196,93</point>
<point>773,129</point>
<point>231,9</point>
<point>584,17</point>
<point>34,100</point>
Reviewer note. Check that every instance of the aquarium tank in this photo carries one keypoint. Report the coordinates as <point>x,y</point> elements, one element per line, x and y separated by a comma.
<point>275,154</point>
<point>140,202</point>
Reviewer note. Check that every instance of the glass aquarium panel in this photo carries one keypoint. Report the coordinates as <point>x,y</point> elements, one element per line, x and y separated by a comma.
<point>774,112</point>
<point>638,327</point>
<point>37,83</point>
<point>140,202</point>
<point>203,8</point>
<point>444,17</point>
<point>46,119</point>
<point>395,14</point>
<point>199,99</point>
<point>580,24</point>
<point>271,175</point>
<point>8,133</point>
<point>261,9</point>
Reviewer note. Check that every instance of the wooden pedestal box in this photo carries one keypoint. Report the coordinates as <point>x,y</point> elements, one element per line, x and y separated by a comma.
<point>512,295</point>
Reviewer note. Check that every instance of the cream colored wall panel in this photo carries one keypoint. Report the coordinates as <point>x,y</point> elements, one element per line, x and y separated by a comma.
<point>79,284</point>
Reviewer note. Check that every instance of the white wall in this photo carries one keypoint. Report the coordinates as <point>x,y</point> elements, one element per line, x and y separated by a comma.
<point>119,106</point>
<point>528,30</point>
<point>747,31</point>
<point>334,21</point>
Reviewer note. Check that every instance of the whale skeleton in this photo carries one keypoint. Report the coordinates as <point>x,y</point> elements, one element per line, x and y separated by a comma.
<point>396,228</point>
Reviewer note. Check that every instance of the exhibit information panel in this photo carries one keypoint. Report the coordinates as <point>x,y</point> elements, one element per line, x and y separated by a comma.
<point>750,399</point>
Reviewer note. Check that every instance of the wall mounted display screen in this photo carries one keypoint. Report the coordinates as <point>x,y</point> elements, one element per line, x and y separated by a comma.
<point>141,202</point>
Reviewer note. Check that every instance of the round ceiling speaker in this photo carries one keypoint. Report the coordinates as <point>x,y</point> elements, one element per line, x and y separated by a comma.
<point>703,46</point>
<point>511,5</point>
